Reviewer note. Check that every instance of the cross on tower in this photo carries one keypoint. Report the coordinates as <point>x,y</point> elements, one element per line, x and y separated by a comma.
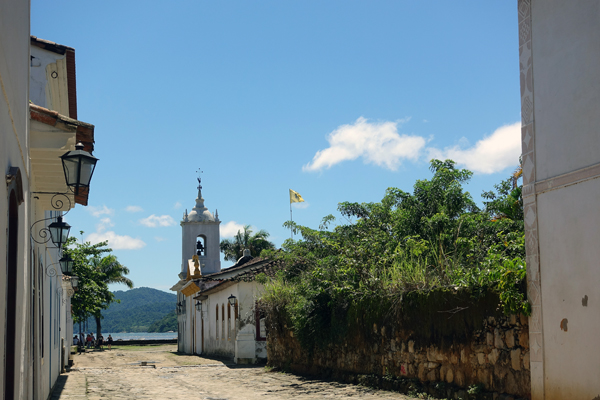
<point>199,179</point>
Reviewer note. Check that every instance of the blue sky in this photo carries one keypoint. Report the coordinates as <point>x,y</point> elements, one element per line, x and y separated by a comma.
<point>337,100</point>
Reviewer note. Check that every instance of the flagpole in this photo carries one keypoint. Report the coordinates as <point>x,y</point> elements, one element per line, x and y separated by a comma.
<point>291,219</point>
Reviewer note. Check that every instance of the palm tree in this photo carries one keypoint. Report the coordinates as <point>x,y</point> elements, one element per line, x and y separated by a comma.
<point>110,270</point>
<point>234,249</point>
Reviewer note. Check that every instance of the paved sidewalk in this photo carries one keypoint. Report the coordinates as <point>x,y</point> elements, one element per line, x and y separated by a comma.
<point>207,379</point>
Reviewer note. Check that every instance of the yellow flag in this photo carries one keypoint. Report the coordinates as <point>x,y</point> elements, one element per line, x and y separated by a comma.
<point>295,197</point>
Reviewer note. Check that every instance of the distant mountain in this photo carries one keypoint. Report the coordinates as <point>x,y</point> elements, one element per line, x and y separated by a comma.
<point>166,324</point>
<point>138,309</point>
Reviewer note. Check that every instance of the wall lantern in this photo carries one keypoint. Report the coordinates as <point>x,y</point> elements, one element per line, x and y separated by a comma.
<point>180,307</point>
<point>59,232</point>
<point>66,265</point>
<point>74,282</point>
<point>232,300</point>
<point>78,166</point>
<point>199,305</point>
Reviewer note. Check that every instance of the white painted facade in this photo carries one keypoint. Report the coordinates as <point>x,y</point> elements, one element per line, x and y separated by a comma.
<point>559,47</point>
<point>200,240</point>
<point>219,329</point>
<point>231,331</point>
<point>34,297</point>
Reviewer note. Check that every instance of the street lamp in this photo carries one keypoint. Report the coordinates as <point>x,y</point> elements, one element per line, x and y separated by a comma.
<point>232,300</point>
<point>78,166</point>
<point>59,232</point>
<point>74,282</point>
<point>199,305</point>
<point>66,265</point>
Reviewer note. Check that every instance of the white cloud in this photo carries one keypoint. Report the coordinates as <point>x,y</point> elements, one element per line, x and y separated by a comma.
<point>491,154</point>
<point>104,224</point>
<point>177,205</point>
<point>98,211</point>
<point>230,229</point>
<point>116,242</point>
<point>377,143</point>
<point>159,239</point>
<point>304,204</point>
<point>157,220</point>
<point>134,209</point>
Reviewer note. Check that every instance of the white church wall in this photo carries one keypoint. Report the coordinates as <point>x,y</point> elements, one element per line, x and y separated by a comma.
<point>212,256</point>
<point>219,323</point>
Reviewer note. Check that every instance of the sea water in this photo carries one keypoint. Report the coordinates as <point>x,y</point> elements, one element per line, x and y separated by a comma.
<point>140,335</point>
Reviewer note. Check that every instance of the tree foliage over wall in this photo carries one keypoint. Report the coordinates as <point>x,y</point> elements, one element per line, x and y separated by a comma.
<point>435,238</point>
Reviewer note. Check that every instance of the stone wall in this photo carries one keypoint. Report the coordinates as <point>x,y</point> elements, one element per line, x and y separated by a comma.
<point>490,357</point>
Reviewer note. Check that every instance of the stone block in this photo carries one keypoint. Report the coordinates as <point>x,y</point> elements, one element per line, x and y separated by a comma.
<point>449,375</point>
<point>375,328</point>
<point>515,359</point>
<point>431,353</point>
<point>482,377</point>
<point>500,371</point>
<point>463,356</point>
<point>498,342</point>
<point>454,358</point>
<point>478,348</point>
<point>393,344</point>
<point>493,356</point>
<point>459,378</point>
<point>481,358</point>
<point>489,339</point>
<point>523,320</point>
<point>432,376</point>
<point>432,365</point>
<point>509,338</point>
<point>524,339</point>
<point>421,372</point>
<point>411,346</point>
<point>526,361</point>
<point>403,347</point>
<point>511,383</point>
<point>513,319</point>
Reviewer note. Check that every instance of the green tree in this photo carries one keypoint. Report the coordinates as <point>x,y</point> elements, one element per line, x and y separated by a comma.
<point>109,270</point>
<point>433,238</point>
<point>234,249</point>
<point>96,268</point>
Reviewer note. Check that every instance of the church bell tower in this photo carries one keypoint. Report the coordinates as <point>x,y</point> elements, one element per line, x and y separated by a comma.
<point>200,237</point>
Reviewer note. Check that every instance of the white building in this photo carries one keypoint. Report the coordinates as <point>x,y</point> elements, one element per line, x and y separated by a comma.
<point>35,306</point>
<point>559,47</point>
<point>208,323</point>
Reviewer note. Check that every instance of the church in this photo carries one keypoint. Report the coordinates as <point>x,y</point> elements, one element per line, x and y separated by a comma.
<point>217,308</point>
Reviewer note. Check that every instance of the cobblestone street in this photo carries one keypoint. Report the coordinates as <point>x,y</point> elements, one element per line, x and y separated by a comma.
<point>119,374</point>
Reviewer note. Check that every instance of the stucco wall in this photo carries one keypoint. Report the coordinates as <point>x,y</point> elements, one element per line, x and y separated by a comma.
<point>559,47</point>
<point>14,117</point>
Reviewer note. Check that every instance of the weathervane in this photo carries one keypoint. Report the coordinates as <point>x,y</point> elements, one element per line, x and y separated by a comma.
<point>199,179</point>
